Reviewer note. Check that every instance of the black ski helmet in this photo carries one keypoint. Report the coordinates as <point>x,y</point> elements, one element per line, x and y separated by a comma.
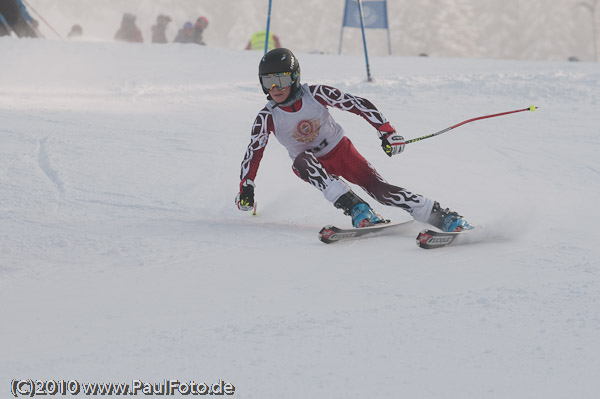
<point>277,61</point>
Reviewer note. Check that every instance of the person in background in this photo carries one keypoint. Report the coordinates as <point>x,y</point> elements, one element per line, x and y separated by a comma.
<point>129,32</point>
<point>257,41</point>
<point>185,34</point>
<point>76,31</point>
<point>14,16</point>
<point>159,30</point>
<point>199,26</point>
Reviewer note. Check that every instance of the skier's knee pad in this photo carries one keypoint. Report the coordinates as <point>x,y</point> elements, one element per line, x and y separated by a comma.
<point>306,165</point>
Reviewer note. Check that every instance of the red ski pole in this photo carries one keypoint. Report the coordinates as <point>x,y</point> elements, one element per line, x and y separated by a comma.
<point>531,108</point>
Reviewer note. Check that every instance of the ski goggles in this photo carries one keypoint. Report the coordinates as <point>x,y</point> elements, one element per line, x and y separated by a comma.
<point>279,80</point>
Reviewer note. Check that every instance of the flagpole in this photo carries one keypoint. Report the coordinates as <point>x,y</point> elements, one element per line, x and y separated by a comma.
<point>387,24</point>
<point>268,27</point>
<point>342,29</point>
<point>341,39</point>
<point>362,27</point>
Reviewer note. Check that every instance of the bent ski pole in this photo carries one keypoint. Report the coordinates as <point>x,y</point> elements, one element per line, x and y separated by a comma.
<point>531,108</point>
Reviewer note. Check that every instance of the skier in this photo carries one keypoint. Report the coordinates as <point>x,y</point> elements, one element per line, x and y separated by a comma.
<point>129,31</point>
<point>14,16</point>
<point>298,117</point>
<point>257,41</point>
<point>76,31</point>
<point>199,27</point>
<point>185,34</point>
<point>159,30</point>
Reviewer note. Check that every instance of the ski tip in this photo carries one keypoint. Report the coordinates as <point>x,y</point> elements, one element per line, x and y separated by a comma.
<point>422,238</point>
<point>429,239</point>
<point>327,233</point>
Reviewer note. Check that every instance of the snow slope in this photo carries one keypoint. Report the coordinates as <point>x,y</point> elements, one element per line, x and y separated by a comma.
<point>122,255</point>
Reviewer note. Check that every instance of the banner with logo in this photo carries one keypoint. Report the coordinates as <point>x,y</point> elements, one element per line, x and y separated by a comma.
<point>374,16</point>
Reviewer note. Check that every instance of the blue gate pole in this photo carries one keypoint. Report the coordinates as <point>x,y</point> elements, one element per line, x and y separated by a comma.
<point>387,23</point>
<point>362,27</point>
<point>268,27</point>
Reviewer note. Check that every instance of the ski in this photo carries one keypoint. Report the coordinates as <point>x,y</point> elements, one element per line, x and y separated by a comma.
<point>431,239</point>
<point>331,234</point>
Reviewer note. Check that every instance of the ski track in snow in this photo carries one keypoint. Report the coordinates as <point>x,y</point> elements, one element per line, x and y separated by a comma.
<point>49,170</point>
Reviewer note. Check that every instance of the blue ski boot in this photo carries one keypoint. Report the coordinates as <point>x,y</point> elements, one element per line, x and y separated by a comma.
<point>362,214</point>
<point>447,220</point>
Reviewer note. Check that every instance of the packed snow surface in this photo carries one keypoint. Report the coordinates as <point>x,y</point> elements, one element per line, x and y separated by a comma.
<point>123,256</point>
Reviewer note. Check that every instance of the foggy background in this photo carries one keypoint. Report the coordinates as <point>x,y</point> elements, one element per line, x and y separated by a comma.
<point>508,29</point>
